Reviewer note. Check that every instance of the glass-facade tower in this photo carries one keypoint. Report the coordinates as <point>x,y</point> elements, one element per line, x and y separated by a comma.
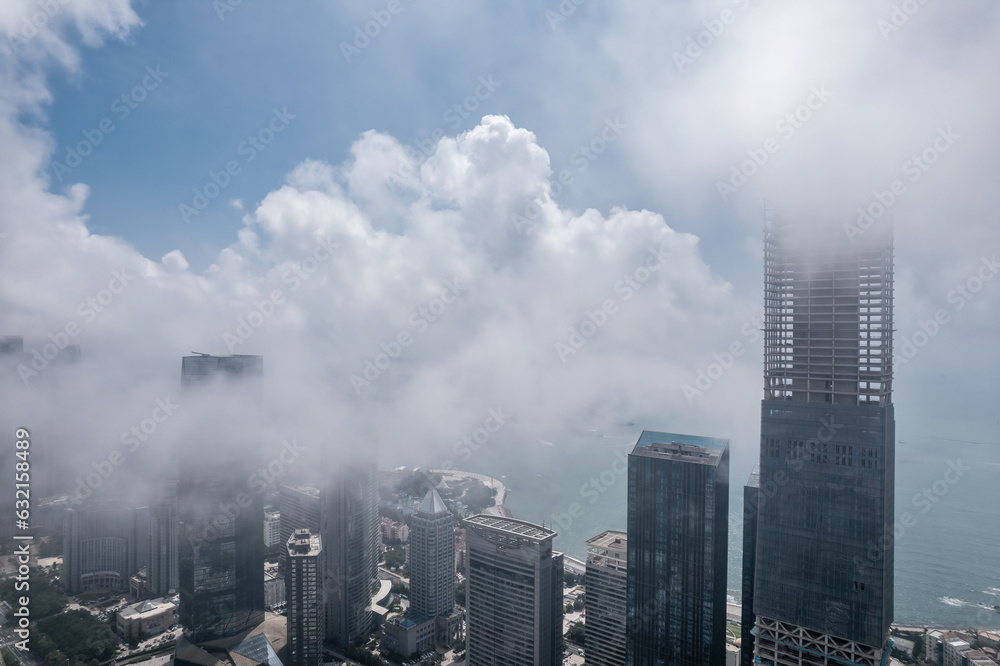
<point>678,524</point>
<point>220,516</point>
<point>351,546</point>
<point>822,594</point>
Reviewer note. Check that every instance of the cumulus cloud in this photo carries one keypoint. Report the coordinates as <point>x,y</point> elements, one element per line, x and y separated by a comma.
<point>392,296</point>
<point>396,298</point>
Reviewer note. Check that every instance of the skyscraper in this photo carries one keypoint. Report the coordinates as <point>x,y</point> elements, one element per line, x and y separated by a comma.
<point>432,558</point>
<point>751,498</point>
<point>607,578</point>
<point>103,546</point>
<point>298,507</point>
<point>432,618</point>
<point>823,588</point>
<point>352,546</point>
<point>305,623</point>
<point>162,576</point>
<point>220,516</point>
<point>678,522</point>
<point>513,593</point>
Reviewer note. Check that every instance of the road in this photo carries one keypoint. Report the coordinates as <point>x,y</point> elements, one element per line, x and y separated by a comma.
<point>7,640</point>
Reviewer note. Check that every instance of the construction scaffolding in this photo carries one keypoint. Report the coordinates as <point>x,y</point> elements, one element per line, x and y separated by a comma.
<point>828,314</point>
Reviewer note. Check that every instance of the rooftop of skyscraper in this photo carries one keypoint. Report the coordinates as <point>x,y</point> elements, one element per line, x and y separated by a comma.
<point>510,526</point>
<point>686,448</point>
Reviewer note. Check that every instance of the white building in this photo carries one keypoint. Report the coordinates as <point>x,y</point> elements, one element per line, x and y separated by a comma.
<point>952,652</point>
<point>272,529</point>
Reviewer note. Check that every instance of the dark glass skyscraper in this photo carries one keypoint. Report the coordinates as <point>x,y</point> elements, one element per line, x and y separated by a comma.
<point>352,545</point>
<point>678,522</point>
<point>220,516</point>
<point>824,569</point>
<point>751,498</point>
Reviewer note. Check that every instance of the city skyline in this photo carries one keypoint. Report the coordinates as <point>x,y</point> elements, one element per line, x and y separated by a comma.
<point>485,251</point>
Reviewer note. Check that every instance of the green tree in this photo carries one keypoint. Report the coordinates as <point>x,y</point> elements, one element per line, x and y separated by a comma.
<point>460,594</point>
<point>46,598</point>
<point>56,658</point>
<point>79,636</point>
<point>576,633</point>
<point>395,558</point>
<point>51,546</point>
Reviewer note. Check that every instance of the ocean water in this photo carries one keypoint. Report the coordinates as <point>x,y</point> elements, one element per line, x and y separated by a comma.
<point>947,560</point>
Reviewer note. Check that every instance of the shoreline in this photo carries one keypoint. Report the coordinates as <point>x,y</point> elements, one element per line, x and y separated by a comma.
<point>498,508</point>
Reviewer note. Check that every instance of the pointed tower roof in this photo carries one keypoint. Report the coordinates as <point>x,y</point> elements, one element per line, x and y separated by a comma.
<point>432,504</point>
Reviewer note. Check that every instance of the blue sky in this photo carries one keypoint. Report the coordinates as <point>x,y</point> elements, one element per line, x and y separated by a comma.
<point>226,75</point>
<point>698,114</point>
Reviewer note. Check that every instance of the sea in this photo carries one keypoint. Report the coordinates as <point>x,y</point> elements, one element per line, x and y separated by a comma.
<point>947,570</point>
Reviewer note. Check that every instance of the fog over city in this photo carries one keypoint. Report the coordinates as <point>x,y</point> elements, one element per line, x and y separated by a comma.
<point>582,250</point>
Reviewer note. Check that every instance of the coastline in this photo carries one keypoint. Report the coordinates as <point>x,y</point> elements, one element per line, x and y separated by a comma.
<point>498,508</point>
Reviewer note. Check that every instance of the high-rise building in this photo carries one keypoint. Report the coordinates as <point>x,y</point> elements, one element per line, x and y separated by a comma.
<point>352,548</point>
<point>432,618</point>
<point>432,558</point>
<point>678,522</point>
<point>514,593</point>
<point>272,531</point>
<point>220,540</point>
<point>607,577</point>
<point>298,506</point>
<point>162,576</point>
<point>305,624</point>
<point>751,498</point>
<point>822,594</point>
<point>103,546</point>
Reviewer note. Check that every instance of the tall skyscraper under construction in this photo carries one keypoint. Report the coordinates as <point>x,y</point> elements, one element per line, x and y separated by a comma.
<point>822,596</point>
